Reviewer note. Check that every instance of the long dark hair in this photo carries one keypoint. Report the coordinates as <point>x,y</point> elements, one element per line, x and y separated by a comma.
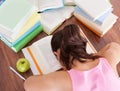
<point>71,44</point>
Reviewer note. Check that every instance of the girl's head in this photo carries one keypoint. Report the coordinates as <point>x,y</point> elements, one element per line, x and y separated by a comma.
<point>68,45</point>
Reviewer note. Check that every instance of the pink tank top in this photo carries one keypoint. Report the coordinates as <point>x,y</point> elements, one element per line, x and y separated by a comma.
<point>99,78</point>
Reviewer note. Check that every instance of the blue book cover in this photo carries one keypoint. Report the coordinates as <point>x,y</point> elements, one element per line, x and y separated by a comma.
<point>98,21</point>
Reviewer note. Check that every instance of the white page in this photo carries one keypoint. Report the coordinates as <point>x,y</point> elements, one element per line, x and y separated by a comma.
<point>32,64</point>
<point>44,56</point>
<point>99,30</point>
<point>94,8</point>
<point>49,4</point>
<point>44,45</point>
<point>52,19</point>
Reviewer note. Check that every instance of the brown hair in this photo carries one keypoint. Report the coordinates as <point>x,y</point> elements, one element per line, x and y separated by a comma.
<point>70,43</point>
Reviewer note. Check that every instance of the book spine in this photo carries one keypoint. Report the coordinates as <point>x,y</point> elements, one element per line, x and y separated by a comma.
<point>27,33</point>
<point>17,47</point>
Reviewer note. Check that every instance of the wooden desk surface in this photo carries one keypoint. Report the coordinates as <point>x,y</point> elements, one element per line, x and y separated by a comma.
<point>11,82</point>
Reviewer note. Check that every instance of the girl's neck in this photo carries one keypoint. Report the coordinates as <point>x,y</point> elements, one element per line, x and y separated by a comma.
<point>89,64</point>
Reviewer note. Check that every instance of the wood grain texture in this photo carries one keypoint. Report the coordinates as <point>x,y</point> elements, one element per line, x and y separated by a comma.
<point>11,82</point>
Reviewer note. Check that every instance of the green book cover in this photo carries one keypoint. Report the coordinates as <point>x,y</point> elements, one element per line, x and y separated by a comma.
<point>27,39</point>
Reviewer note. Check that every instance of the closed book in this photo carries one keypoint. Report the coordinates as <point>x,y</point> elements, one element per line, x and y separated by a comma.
<point>10,44</point>
<point>17,47</point>
<point>30,24</point>
<point>27,33</point>
<point>100,30</point>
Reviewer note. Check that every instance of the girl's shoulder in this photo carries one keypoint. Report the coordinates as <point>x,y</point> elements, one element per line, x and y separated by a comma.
<point>55,81</point>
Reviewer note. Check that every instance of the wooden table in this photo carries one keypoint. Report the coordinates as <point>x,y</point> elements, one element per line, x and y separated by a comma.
<point>11,82</point>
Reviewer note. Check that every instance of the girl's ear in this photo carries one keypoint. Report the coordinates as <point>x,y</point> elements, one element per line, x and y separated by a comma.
<point>55,53</point>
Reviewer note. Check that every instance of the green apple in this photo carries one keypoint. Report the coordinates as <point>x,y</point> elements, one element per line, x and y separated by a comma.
<point>22,65</point>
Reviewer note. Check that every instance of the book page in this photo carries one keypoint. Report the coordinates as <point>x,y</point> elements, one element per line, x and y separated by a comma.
<point>52,19</point>
<point>50,4</point>
<point>29,57</point>
<point>56,16</point>
<point>49,56</point>
<point>94,8</point>
<point>89,47</point>
<point>99,30</point>
<point>45,48</point>
<point>41,57</point>
<point>44,55</point>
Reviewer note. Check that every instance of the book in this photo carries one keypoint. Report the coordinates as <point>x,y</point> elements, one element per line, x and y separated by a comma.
<point>98,21</point>
<point>94,8</point>
<point>30,25</point>
<point>52,19</point>
<point>43,5</point>
<point>20,44</point>
<point>13,16</point>
<point>97,29</point>
<point>10,44</point>
<point>41,58</point>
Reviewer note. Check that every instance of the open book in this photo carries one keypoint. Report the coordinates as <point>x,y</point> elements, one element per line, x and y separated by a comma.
<point>41,58</point>
<point>43,5</point>
<point>52,19</point>
<point>98,21</point>
<point>100,30</point>
<point>94,8</point>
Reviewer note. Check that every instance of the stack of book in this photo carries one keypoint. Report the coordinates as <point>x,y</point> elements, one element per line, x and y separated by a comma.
<point>54,13</point>
<point>19,23</point>
<point>96,15</point>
